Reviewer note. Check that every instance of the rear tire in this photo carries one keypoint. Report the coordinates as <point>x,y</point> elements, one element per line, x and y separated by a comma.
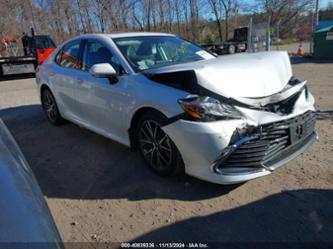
<point>231,49</point>
<point>156,147</point>
<point>50,108</point>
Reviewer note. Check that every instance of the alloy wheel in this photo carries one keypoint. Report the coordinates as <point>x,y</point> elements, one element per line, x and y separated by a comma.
<point>49,106</point>
<point>155,145</point>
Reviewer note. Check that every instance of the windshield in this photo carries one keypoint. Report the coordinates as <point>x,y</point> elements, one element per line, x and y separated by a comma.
<point>146,52</point>
<point>44,42</point>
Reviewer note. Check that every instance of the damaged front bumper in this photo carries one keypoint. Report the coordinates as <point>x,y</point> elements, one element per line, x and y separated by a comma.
<point>221,153</point>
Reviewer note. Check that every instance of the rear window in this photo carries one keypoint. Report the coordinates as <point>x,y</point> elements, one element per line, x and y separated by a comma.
<point>44,42</point>
<point>69,55</point>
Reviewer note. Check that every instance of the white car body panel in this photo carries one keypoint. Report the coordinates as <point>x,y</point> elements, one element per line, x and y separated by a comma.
<point>108,109</point>
<point>216,136</point>
<point>252,75</point>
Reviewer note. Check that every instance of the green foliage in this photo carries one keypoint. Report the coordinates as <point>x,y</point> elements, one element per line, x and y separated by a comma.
<point>209,39</point>
<point>286,41</point>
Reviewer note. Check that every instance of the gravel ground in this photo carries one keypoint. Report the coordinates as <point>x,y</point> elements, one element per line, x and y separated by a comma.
<point>98,190</point>
<point>292,48</point>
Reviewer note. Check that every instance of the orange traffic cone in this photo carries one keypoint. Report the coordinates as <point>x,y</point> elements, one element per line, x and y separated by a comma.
<point>300,50</point>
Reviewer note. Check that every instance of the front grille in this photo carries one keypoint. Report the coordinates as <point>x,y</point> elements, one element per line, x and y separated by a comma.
<point>273,139</point>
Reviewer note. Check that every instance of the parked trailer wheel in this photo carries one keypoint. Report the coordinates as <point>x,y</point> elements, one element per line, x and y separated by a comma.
<point>231,49</point>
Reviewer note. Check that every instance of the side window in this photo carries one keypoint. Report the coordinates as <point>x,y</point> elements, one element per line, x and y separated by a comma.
<point>96,52</point>
<point>69,55</point>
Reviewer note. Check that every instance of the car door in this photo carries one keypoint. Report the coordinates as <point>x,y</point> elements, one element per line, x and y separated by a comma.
<point>64,79</point>
<point>101,99</point>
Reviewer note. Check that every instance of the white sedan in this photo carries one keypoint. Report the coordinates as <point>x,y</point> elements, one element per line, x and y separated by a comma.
<point>221,119</point>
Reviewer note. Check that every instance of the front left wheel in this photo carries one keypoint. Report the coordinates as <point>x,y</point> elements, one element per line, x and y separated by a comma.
<point>50,107</point>
<point>156,147</point>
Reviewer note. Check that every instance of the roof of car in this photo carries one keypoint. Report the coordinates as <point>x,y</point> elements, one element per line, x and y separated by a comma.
<point>132,34</point>
<point>128,34</point>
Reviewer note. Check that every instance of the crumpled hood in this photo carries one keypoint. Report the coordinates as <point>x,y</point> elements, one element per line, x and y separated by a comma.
<point>242,75</point>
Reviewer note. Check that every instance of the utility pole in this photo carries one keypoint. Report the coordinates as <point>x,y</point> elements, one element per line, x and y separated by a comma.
<point>32,16</point>
<point>317,14</point>
<point>314,24</point>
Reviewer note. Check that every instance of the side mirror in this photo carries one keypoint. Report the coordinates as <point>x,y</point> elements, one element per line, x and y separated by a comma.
<point>102,70</point>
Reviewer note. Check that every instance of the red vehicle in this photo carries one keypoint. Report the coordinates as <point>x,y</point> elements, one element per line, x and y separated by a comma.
<point>16,59</point>
<point>44,47</point>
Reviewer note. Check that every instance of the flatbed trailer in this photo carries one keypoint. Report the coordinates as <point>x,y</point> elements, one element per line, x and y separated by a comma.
<point>237,44</point>
<point>35,50</point>
<point>18,65</point>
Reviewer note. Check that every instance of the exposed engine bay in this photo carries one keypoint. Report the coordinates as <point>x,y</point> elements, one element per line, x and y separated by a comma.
<point>281,102</point>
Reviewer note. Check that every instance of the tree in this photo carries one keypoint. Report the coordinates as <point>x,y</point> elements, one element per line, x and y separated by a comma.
<point>189,18</point>
<point>216,10</point>
<point>286,12</point>
<point>229,6</point>
<point>223,9</point>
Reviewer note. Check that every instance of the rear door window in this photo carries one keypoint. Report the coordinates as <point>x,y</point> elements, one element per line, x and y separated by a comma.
<point>70,55</point>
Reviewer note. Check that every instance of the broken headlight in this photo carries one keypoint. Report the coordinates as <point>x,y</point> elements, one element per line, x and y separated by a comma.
<point>208,109</point>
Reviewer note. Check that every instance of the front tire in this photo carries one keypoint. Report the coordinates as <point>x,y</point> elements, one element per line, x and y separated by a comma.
<point>156,147</point>
<point>50,108</point>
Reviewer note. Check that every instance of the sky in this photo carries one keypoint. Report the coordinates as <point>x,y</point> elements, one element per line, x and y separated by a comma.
<point>324,3</point>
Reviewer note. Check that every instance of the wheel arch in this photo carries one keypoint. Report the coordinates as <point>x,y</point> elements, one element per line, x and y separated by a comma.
<point>44,87</point>
<point>134,122</point>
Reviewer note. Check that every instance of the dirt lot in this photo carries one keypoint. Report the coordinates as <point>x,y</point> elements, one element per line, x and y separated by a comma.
<point>98,190</point>
<point>292,48</point>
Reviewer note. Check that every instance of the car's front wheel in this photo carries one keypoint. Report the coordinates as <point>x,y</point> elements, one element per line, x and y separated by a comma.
<point>156,147</point>
<point>50,107</point>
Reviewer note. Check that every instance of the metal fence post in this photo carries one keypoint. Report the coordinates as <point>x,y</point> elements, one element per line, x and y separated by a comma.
<point>268,35</point>
<point>249,37</point>
<point>278,34</point>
